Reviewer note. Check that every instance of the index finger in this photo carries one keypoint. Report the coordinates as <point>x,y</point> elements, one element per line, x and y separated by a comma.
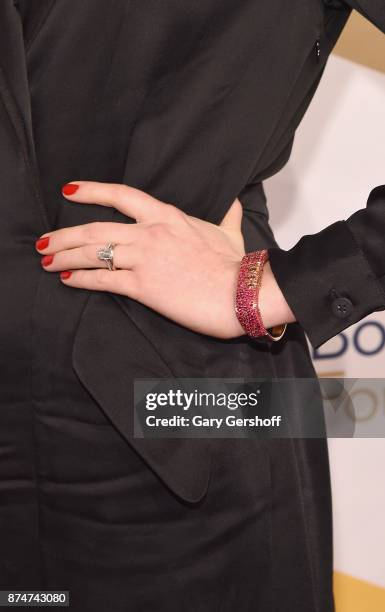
<point>132,202</point>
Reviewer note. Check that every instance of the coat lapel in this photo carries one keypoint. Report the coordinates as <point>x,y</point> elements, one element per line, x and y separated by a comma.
<point>14,93</point>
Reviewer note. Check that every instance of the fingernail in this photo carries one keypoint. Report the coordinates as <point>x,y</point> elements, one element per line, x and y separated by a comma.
<point>42,243</point>
<point>69,189</point>
<point>47,260</point>
<point>65,274</point>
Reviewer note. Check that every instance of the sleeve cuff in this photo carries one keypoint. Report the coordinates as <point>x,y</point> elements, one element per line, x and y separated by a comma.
<point>327,282</point>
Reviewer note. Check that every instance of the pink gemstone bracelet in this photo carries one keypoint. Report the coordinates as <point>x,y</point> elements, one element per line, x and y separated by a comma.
<point>246,306</point>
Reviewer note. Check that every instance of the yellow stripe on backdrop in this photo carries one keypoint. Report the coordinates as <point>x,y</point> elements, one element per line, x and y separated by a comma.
<point>362,42</point>
<point>353,595</point>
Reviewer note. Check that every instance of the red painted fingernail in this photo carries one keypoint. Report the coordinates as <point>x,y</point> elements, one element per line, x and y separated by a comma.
<point>47,260</point>
<point>69,189</point>
<point>42,243</point>
<point>65,274</point>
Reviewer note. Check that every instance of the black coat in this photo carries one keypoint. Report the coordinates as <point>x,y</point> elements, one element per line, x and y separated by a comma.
<point>196,103</point>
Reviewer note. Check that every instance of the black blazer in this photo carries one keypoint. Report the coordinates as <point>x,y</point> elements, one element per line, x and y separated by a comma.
<point>196,103</point>
<point>210,100</point>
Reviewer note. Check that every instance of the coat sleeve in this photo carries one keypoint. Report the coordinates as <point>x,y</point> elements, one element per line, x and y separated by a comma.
<point>373,10</point>
<point>336,277</point>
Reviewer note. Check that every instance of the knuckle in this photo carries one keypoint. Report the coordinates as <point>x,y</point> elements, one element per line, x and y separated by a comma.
<point>89,254</point>
<point>118,192</point>
<point>132,287</point>
<point>172,212</point>
<point>93,231</point>
<point>138,290</point>
<point>157,231</point>
<point>100,278</point>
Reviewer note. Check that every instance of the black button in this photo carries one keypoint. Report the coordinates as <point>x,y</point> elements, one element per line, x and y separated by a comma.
<point>342,307</point>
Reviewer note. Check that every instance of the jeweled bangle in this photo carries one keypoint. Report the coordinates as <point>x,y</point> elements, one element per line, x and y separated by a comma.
<point>246,305</point>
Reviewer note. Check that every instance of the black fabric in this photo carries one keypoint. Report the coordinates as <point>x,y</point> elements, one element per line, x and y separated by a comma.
<point>347,242</point>
<point>32,13</point>
<point>196,103</point>
<point>346,258</point>
<point>373,10</point>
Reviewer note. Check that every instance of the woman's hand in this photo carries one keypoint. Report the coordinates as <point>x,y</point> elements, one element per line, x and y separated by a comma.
<point>184,268</point>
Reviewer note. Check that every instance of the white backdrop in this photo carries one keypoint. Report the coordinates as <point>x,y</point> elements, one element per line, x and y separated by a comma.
<point>338,157</point>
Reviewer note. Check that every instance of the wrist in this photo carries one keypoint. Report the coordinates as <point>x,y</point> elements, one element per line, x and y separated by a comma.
<point>272,304</point>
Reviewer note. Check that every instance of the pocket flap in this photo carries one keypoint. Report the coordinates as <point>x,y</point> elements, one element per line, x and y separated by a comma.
<point>109,353</point>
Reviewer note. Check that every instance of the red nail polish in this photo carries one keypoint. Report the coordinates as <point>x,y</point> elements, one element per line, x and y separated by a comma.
<point>65,274</point>
<point>46,260</point>
<point>42,243</point>
<point>69,189</point>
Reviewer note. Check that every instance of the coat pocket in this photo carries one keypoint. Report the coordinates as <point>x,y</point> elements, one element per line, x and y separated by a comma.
<point>109,353</point>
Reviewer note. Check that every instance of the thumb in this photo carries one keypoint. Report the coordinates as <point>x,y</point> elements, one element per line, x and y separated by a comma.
<point>233,217</point>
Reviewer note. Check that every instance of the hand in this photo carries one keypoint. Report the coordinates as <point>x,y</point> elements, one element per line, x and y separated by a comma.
<point>184,268</point>
<point>180,266</point>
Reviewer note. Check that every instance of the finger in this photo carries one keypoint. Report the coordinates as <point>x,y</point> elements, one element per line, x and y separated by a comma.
<point>233,217</point>
<point>88,233</point>
<point>130,201</point>
<point>121,282</point>
<point>85,257</point>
